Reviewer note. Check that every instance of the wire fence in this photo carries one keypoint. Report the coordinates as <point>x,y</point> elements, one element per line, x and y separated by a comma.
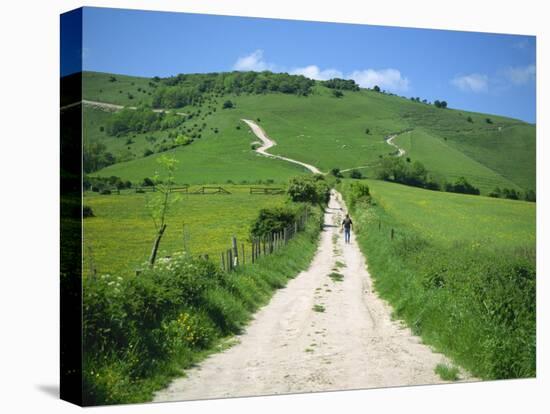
<point>239,254</point>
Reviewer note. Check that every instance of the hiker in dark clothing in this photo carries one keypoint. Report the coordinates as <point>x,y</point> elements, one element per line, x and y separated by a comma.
<point>347,225</point>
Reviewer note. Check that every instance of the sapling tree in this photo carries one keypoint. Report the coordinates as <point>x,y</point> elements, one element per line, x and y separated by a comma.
<point>159,204</point>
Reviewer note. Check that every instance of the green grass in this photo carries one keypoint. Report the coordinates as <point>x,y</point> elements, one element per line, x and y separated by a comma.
<point>460,272</point>
<point>444,162</point>
<point>214,158</point>
<point>329,132</point>
<point>318,308</point>
<point>447,373</point>
<point>336,277</point>
<point>450,218</point>
<point>96,87</point>
<point>121,234</point>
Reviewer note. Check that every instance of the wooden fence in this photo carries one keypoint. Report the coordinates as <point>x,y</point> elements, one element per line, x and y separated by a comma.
<point>180,189</point>
<point>211,190</point>
<point>242,253</point>
<point>145,189</point>
<point>266,190</point>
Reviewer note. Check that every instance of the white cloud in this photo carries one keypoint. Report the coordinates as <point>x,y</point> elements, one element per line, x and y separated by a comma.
<point>520,75</point>
<point>254,61</point>
<point>474,82</point>
<point>390,79</point>
<point>521,44</point>
<point>314,72</point>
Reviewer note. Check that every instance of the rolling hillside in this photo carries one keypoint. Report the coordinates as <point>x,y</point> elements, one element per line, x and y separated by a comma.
<point>329,132</point>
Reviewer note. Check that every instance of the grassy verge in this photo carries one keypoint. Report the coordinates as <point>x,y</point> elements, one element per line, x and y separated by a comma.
<point>471,299</point>
<point>140,332</point>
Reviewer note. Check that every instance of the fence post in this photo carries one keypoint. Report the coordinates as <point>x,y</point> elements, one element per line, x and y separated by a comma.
<point>295,227</point>
<point>243,254</point>
<point>235,250</point>
<point>392,234</point>
<point>379,225</point>
<point>223,262</point>
<point>285,235</point>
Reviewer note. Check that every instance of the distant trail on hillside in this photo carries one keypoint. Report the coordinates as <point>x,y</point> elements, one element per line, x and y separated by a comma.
<point>269,143</point>
<point>112,107</point>
<point>389,140</point>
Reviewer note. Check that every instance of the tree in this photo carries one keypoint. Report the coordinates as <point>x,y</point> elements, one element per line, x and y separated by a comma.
<point>336,172</point>
<point>367,131</point>
<point>443,104</point>
<point>337,93</point>
<point>159,204</point>
<point>489,120</point>
<point>228,104</point>
<point>309,189</point>
<point>147,182</point>
<point>376,88</point>
<point>461,185</point>
<point>470,120</point>
<point>343,84</point>
<point>437,104</point>
<point>356,174</point>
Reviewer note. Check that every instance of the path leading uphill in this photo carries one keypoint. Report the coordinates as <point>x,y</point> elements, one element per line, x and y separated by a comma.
<point>268,143</point>
<point>316,334</point>
<point>389,140</point>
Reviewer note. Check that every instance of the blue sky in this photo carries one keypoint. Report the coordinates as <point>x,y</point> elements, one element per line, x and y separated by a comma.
<point>493,73</point>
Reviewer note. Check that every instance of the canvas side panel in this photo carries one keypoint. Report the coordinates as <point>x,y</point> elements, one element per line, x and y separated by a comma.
<point>71,206</point>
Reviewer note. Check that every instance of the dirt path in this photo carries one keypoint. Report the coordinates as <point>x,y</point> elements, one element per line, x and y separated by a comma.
<point>289,347</point>
<point>389,140</point>
<point>268,143</point>
<point>112,107</point>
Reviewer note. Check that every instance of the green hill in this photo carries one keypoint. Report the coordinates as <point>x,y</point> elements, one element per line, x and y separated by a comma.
<point>308,123</point>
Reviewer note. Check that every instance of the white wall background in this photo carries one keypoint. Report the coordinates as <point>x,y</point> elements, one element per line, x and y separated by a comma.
<point>29,162</point>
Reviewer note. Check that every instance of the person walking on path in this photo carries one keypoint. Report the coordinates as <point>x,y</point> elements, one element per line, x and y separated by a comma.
<point>347,224</point>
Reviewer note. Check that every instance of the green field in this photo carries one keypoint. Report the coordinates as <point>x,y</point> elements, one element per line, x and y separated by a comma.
<point>327,132</point>
<point>121,234</point>
<point>98,87</point>
<point>447,218</point>
<point>460,271</point>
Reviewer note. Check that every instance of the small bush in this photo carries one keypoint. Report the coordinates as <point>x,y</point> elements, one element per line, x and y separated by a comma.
<point>309,189</point>
<point>358,192</point>
<point>356,174</point>
<point>87,211</point>
<point>147,182</point>
<point>461,185</point>
<point>105,191</point>
<point>336,172</point>
<point>447,373</point>
<point>271,220</point>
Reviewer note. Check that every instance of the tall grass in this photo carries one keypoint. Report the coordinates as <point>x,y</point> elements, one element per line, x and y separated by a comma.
<point>473,302</point>
<point>140,332</point>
